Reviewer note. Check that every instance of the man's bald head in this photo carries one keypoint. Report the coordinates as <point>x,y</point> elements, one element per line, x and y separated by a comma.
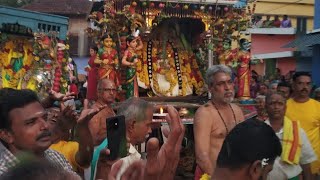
<point>102,82</point>
<point>106,90</point>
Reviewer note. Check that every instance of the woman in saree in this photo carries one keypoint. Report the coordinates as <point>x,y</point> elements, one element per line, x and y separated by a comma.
<point>130,59</point>
<point>108,60</point>
<point>244,74</point>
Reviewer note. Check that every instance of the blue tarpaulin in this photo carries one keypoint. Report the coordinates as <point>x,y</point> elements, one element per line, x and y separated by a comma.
<point>240,4</point>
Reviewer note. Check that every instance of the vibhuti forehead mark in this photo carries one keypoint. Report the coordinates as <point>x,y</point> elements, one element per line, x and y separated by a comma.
<point>36,114</point>
<point>40,113</point>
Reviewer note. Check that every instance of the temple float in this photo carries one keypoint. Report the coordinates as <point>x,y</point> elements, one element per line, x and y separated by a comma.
<point>36,61</point>
<point>175,42</point>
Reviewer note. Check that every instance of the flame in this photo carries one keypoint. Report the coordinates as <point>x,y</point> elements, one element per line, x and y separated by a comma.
<point>161,110</point>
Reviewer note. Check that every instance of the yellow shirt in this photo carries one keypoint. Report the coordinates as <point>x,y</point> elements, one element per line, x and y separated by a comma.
<point>68,150</point>
<point>308,114</point>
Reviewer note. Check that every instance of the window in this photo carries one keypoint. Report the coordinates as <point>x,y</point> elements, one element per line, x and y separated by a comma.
<point>48,27</point>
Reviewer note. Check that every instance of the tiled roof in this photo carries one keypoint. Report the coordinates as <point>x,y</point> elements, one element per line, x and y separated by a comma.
<point>61,7</point>
<point>304,41</point>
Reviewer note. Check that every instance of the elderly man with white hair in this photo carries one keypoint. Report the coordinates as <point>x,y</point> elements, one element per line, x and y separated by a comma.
<point>215,119</point>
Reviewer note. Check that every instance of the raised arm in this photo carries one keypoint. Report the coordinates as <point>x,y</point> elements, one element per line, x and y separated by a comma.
<point>202,130</point>
<point>84,155</point>
<point>97,60</point>
<point>161,163</point>
<point>56,96</point>
<point>125,59</point>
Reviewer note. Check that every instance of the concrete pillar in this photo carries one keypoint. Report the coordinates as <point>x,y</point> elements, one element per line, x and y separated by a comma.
<point>81,43</point>
<point>316,20</point>
<point>316,48</point>
<point>316,64</point>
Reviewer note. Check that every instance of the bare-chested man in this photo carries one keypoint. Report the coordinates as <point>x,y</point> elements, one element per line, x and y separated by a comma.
<point>106,91</point>
<point>214,120</point>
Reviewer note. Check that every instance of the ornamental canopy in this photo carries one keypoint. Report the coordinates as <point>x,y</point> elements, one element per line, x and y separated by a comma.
<point>224,2</point>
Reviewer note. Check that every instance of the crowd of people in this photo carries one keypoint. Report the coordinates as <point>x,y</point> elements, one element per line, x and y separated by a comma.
<point>41,141</point>
<point>284,105</point>
<point>258,22</point>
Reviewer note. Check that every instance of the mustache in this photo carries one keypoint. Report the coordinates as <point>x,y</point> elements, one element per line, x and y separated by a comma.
<point>304,90</point>
<point>229,92</point>
<point>44,134</point>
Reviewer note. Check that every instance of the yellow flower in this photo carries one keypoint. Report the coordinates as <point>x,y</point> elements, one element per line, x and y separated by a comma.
<point>36,58</point>
<point>205,177</point>
<point>67,46</point>
<point>65,85</point>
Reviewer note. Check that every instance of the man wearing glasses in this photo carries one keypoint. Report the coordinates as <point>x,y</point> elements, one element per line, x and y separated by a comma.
<point>307,111</point>
<point>106,92</point>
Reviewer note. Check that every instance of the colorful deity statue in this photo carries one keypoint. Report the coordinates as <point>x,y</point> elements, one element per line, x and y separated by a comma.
<point>169,67</point>
<point>108,60</point>
<point>130,59</point>
<point>16,59</point>
<point>92,71</point>
<point>244,75</point>
<point>228,56</point>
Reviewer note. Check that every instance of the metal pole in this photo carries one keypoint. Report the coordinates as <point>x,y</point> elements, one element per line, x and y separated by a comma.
<point>210,60</point>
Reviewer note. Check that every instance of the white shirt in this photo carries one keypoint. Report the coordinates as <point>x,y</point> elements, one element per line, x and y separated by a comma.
<point>133,156</point>
<point>85,84</point>
<point>283,170</point>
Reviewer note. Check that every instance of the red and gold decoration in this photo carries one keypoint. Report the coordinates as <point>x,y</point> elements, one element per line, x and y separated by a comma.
<point>169,64</point>
<point>169,73</point>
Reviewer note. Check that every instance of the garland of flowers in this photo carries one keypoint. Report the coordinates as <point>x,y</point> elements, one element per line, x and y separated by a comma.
<point>177,64</point>
<point>58,71</point>
<point>170,76</point>
<point>149,60</point>
<point>142,69</point>
<point>185,72</point>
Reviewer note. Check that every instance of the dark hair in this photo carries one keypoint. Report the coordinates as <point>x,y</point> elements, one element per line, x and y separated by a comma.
<point>36,170</point>
<point>263,84</point>
<point>284,84</point>
<point>254,72</point>
<point>301,73</point>
<point>255,78</point>
<point>243,40</point>
<point>228,40</point>
<point>11,99</point>
<point>249,141</point>
<point>268,97</point>
<point>94,47</point>
<point>130,38</point>
<point>106,36</point>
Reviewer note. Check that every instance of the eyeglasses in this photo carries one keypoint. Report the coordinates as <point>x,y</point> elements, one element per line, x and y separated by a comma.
<point>108,90</point>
